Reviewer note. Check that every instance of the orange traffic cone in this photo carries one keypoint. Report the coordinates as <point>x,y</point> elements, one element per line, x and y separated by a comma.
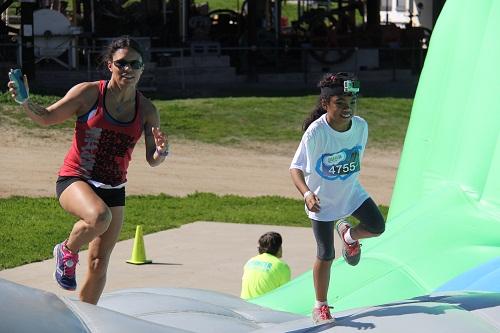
<point>138,252</point>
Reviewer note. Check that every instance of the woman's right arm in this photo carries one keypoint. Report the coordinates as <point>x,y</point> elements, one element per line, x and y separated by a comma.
<point>76,101</point>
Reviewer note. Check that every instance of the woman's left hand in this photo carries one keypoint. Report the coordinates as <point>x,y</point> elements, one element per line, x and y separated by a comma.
<point>161,141</point>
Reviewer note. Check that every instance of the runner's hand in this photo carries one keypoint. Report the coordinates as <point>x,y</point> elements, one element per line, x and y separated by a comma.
<point>161,141</point>
<point>13,90</point>
<point>312,203</point>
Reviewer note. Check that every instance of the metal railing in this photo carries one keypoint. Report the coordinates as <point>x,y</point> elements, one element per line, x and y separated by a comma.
<point>254,62</point>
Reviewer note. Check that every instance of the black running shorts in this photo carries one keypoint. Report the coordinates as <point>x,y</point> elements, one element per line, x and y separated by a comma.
<point>112,197</point>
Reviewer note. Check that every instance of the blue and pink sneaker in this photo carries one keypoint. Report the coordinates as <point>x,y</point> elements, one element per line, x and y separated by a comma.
<point>65,266</point>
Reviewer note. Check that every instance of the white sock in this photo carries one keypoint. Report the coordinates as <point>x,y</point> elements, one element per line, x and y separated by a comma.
<point>319,304</point>
<point>348,238</point>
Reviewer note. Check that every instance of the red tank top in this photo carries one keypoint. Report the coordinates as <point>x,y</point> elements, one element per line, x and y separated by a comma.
<point>102,146</point>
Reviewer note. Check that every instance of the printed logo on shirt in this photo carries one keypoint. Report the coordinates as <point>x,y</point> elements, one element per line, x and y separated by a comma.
<point>111,145</point>
<point>339,165</point>
<point>99,154</point>
<point>259,265</point>
<point>87,154</point>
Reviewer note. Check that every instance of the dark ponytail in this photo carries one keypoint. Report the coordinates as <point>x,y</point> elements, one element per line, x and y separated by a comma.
<point>329,80</point>
<point>317,112</point>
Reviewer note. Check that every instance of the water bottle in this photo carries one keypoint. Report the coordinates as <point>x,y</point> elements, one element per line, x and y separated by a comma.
<point>16,76</point>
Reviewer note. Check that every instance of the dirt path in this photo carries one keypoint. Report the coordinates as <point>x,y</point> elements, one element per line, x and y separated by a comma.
<point>29,161</point>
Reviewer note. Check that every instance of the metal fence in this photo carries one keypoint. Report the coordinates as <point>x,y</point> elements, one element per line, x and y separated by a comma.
<point>208,63</point>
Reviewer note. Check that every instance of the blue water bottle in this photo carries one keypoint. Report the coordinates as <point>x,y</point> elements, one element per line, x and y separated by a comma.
<point>16,76</point>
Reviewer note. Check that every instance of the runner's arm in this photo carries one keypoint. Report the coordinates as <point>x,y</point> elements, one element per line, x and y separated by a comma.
<point>76,100</point>
<point>310,198</point>
<point>156,141</point>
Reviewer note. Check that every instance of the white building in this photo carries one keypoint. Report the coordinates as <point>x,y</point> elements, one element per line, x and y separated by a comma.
<point>399,12</point>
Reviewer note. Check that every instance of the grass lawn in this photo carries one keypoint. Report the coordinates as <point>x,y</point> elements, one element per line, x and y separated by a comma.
<point>26,236</point>
<point>30,227</point>
<point>236,120</point>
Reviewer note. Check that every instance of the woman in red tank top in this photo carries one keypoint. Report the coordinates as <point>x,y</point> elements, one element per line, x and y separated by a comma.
<point>111,116</point>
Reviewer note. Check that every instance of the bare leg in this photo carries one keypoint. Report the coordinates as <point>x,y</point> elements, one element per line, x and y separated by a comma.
<point>321,275</point>
<point>95,216</point>
<point>99,253</point>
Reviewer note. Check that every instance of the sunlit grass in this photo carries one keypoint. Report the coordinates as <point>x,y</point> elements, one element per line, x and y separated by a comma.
<point>30,227</point>
<point>237,120</point>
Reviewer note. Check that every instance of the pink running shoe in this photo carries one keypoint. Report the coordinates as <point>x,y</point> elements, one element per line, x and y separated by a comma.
<point>322,315</point>
<point>65,267</point>
<point>350,252</point>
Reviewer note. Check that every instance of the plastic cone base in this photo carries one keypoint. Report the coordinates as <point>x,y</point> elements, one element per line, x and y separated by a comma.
<point>138,252</point>
<point>139,262</point>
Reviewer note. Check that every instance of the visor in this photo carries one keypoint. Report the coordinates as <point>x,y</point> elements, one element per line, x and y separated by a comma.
<point>350,87</point>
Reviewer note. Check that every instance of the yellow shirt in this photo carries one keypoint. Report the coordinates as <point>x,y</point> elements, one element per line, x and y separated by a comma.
<point>262,274</point>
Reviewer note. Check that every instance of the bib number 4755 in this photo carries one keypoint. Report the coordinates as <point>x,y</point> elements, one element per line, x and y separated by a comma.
<point>342,169</point>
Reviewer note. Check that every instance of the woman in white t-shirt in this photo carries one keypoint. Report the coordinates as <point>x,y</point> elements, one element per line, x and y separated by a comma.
<point>325,170</point>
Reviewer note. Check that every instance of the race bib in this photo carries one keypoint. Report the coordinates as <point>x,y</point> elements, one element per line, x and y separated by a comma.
<point>340,165</point>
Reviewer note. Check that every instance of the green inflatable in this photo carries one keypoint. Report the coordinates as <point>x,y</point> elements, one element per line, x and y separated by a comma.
<point>444,217</point>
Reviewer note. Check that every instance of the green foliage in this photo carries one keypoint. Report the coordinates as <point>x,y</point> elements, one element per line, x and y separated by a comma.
<point>387,119</point>
<point>236,120</point>
<point>13,114</point>
<point>288,9</point>
<point>32,226</point>
<point>7,101</point>
<point>29,229</point>
<point>222,4</point>
<point>273,119</point>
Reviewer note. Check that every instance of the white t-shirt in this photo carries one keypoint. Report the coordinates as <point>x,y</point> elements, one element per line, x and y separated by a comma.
<point>331,162</point>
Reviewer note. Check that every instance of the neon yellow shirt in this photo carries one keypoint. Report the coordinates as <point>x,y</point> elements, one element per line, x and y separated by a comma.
<point>262,274</point>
